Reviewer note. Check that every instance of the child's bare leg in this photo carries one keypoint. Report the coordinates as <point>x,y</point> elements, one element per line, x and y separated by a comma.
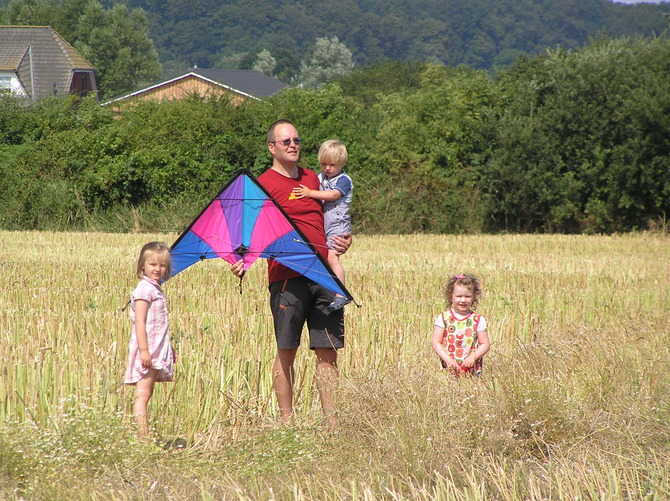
<point>144,388</point>
<point>334,262</point>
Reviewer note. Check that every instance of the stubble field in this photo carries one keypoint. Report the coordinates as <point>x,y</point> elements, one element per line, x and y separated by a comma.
<point>574,402</point>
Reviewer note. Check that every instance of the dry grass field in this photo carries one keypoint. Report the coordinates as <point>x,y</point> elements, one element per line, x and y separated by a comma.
<point>574,402</point>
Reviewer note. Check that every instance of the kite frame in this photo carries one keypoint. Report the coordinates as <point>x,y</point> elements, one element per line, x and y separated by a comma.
<point>302,236</point>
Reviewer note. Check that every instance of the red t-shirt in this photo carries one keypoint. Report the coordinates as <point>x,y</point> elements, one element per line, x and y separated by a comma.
<point>306,213</point>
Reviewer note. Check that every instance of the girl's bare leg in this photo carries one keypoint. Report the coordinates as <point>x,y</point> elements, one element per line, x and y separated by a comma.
<point>144,388</point>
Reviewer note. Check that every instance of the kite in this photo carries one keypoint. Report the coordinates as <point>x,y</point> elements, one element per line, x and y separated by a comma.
<point>244,222</point>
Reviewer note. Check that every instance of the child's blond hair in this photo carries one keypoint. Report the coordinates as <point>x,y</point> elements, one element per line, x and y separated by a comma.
<point>333,151</point>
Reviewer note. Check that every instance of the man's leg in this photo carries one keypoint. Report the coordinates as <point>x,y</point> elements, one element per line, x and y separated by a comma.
<point>326,381</point>
<point>283,376</point>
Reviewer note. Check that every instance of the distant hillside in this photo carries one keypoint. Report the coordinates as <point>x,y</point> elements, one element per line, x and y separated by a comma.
<point>478,33</point>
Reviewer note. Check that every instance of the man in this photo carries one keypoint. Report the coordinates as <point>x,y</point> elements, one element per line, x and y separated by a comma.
<point>294,299</point>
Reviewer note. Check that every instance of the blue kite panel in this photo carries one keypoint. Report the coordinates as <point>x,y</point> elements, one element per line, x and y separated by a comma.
<point>191,249</point>
<point>292,252</point>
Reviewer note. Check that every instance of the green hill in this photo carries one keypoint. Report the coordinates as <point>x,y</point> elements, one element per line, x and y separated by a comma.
<point>479,33</point>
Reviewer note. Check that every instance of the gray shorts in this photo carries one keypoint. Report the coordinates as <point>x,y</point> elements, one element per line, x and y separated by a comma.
<point>336,222</point>
<point>298,300</point>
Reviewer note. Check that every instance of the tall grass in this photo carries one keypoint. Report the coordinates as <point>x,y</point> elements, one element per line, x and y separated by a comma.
<point>574,402</point>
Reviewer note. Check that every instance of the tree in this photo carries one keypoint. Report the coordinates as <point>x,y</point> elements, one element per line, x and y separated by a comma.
<point>582,143</point>
<point>212,33</point>
<point>370,83</point>
<point>330,59</point>
<point>30,12</point>
<point>117,43</point>
<point>265,63</point>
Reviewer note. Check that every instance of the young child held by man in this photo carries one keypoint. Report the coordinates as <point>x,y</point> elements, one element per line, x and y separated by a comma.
<point>336,192</point>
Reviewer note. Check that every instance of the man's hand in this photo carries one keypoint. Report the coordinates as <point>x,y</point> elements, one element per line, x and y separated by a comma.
<point>237,269</point>
<point>342,243</point>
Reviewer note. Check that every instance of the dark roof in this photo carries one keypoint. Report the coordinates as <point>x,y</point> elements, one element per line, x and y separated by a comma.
<point>249,82</point>
<point>51,58</point>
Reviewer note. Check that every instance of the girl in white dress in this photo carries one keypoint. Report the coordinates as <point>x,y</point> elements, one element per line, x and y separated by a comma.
<point>460,336</point>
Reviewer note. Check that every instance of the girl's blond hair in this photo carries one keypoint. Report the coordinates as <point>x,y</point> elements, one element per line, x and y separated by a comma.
<point>159,248</point>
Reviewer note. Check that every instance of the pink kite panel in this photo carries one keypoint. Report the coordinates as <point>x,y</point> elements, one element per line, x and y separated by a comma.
<point>212,227</point>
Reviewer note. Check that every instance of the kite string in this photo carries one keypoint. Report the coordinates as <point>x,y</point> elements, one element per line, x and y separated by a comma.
<point>310,243</point>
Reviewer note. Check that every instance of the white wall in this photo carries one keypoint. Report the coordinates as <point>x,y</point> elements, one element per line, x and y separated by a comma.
<point>14,83</point>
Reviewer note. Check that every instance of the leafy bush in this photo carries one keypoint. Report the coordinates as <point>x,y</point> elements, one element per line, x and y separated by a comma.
<point>573,141</point>
<point>582,143</point>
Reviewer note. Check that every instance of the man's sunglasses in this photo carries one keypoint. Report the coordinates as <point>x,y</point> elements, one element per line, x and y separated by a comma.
<point>287,142</point>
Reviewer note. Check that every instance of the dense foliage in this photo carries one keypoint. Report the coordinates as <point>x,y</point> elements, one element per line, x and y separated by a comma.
<point>479,33</point>
<point>571,141</point>
<point>584,142</point>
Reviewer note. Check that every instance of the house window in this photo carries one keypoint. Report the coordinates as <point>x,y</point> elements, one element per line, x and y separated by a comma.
<point>5,82</point>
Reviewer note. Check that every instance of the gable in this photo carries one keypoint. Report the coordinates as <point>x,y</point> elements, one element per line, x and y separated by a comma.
<point>44,63</point>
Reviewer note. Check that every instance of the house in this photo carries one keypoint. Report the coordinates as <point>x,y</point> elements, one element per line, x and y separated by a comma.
<point>36,62</point>
<point>239,85</point>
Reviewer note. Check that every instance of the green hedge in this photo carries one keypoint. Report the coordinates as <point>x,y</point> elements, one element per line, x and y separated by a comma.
<point>572,141</point>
